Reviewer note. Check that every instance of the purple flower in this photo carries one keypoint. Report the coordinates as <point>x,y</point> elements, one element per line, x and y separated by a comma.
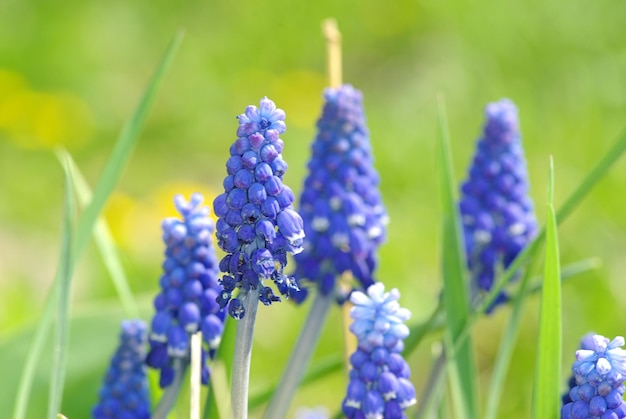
<point>344,217</point>
<point>124,393</point>
<point>257,225</point>
<point>597,390</point>
<point>189,289</point>
<point>379,379</point>
<point>496,210</point>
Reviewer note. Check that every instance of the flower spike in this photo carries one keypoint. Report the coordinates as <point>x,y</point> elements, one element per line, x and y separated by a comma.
<point>189,289</point>
<point>597,389</point>
<point>344,217</point>
<point>496,210</point>
<point>379,379</point>
<point>257,225</point>
<point>124,393</point>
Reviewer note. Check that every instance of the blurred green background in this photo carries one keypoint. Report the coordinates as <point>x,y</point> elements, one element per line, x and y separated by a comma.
<point>72,71</point>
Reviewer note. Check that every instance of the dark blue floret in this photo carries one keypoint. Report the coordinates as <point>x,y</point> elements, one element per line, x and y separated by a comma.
<point>189,290</point>
<point>257,225</point>
<point>124,393</point>
<point>344,217</point>
<point>379,385</point>
<point>597,387</point>
<point>496,210</point>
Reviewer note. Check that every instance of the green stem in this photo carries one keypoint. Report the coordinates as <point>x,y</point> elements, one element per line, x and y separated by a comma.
<point>171,394</point>
<point>243,354</point>
<point>299,359</point>
<point>433,385</point>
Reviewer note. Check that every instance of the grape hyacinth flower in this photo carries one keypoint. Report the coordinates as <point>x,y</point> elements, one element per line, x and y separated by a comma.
<point>124,393</point>
<point>598,390</point>
<point>257,224</point>
<point>189,288</point>
<point>344,217</point>
<point>496,210</point>
<point>585,343</point>
<point>379,379</point>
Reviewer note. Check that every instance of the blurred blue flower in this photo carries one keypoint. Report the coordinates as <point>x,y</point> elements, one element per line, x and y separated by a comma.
<point>124,394</point>
<point>598,387</point>
<point>189,289</point>
<point>379,379</point>
<point>585,343</point>
<point>496,210</point>
<point>314,413</point>
<point>257,225</point>
<point>344,217</point>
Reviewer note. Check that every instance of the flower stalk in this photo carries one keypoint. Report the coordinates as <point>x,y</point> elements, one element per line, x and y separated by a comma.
<point>243,354</point>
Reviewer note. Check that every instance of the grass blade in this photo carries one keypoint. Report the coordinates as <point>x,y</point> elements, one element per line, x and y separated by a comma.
<point>455,292</point>
<point>106,246</point>
<point>62,287</point>
<point>34,354</point>
<point>505,351</point>
<point>105,186</point>
<point>122,149</point>
<point>548,375</point>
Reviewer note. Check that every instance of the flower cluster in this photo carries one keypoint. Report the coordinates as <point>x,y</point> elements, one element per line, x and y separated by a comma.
<point>379,379</point>
<point>599,373</point>
<point>496,211</point>
<point>125,390</point>
<point>257,224</point>
<point>189,289</point>
<point>344,217</point>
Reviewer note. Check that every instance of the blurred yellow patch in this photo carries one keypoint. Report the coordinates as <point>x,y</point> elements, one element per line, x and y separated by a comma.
<point>136,225</point>
<point>299,93</point>
<point>10,83</point>
<point>37,120</point>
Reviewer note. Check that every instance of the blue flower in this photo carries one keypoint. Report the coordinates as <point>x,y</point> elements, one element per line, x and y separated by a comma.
<point>189,289</point>
<point>598,387</point>
<point>497,213</point>
<point>257,225</point>
<point>124,393</point>
<point>344,217</point>
<point>315,413</point>
<point>379,379</point>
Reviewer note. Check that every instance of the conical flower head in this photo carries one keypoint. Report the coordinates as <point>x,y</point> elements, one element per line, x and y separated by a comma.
<point>344,217</point>
<point>257,224</point>
<point>124,393</point>
<point>379,384</point>
<point>597,390</point>
<point>189,289</point>
<point>496,210</point>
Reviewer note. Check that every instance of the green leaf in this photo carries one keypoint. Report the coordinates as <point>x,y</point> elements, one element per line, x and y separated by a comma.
<point>122,150</point>
<point>62,286</point>
<point>111,174</point>
<point>455,293</point>
<point>505,351</point>
<point>548,375</point>
<point>106,246</point>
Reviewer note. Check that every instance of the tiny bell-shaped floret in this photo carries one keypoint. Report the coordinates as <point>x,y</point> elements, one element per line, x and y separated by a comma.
<point>257,224</point>
<point>344,217</point>
<point>496,210</point>
<point>597,387</point>
<point>379,385</point>
<point>189,289</point>
<point>124,393</point>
